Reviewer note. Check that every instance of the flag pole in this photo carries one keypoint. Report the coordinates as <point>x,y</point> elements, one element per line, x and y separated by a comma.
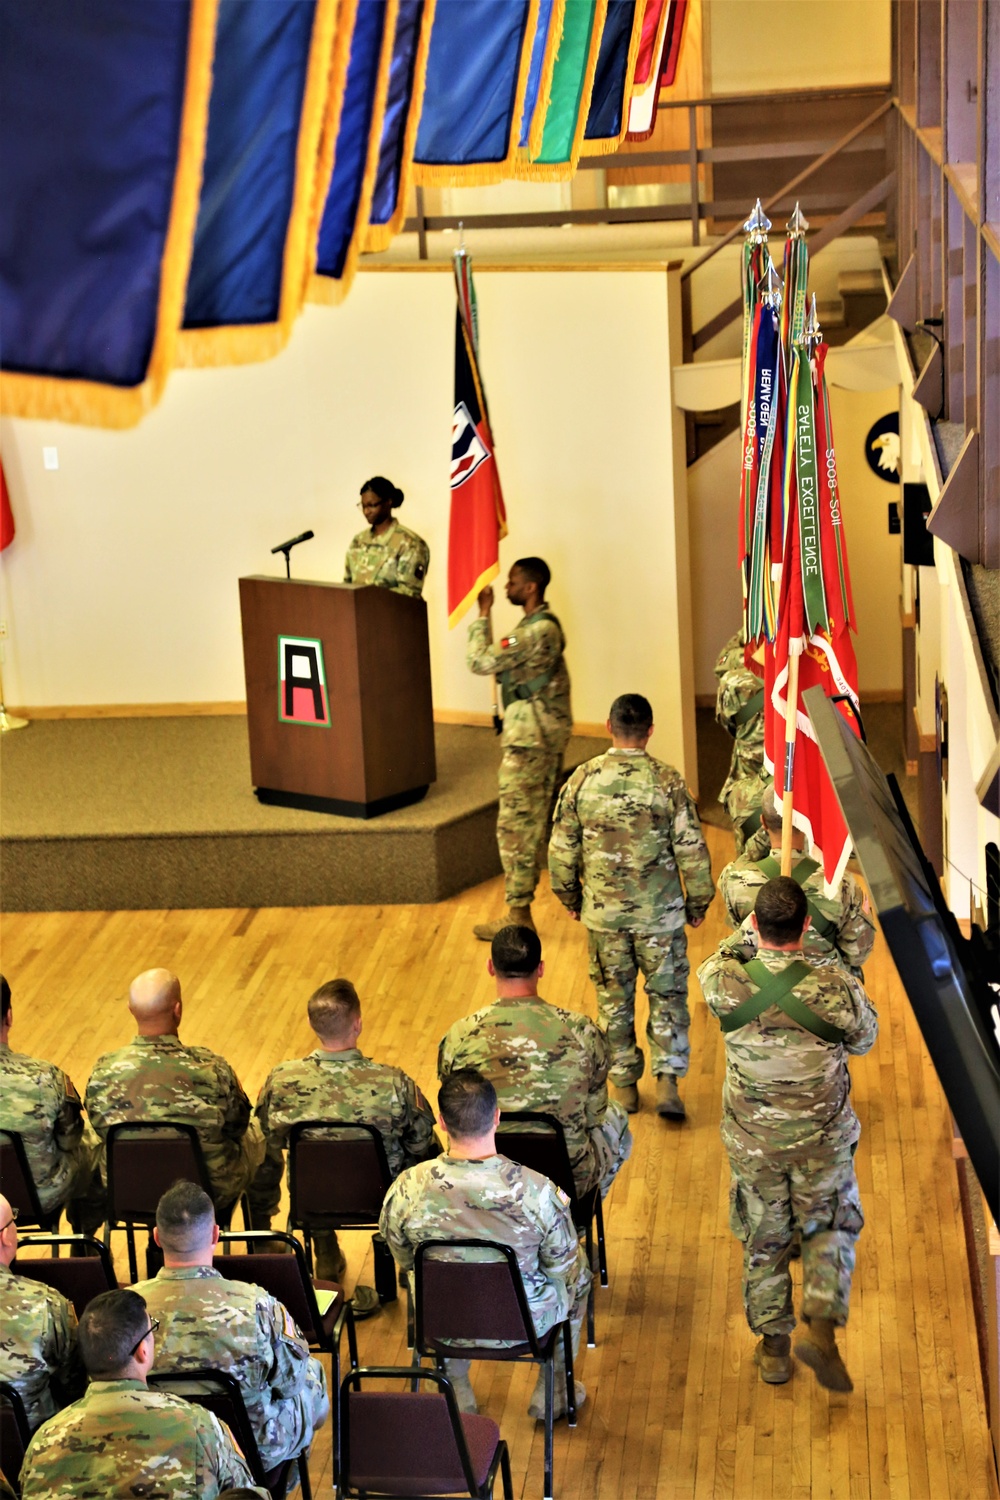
<point>810,339</point>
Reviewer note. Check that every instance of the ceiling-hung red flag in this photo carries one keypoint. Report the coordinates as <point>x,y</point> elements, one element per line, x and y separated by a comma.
<point>6,514</point>
<point>478,518</point>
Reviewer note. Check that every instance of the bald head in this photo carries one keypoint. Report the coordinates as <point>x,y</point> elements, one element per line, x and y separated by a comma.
<point>154,999</point>
<point>8,1234</point>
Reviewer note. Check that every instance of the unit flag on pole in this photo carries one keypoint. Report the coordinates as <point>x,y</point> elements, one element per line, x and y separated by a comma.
<point>478,518</point>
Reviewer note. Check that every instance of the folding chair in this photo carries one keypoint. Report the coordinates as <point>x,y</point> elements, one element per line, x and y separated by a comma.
<point>19,1185</point>
<point>521,1137</point>
<point>15,1434</point>
<point>408,1443</point>
<point>460,1306</point>
<point>219,1392</point>
<point>144,1159</point>
<point>88,1272</point>
<point>338,1176</point>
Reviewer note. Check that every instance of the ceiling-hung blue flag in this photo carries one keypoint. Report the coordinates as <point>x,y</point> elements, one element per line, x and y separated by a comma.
<point>407,74</point>
<point>103,114</point>
<point>270,90</point>
<point>477,77</point>
<point>607,123</point>
<point>548,36</point>
<point>356,155</point>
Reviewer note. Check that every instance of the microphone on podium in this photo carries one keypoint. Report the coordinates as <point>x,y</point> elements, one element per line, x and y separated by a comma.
<point>286,547</point>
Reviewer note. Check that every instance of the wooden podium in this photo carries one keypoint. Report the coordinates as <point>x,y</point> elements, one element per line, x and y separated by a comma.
<point>338,695</point>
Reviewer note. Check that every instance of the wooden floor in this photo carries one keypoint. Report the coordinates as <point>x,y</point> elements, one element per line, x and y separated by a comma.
<point>674,1406</point>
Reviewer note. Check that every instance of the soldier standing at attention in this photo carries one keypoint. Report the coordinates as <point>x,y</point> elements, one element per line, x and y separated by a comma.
<point>38,1343</point>
<point>539,1057</point>
<point>156,1077</point>
<point>206,1321</point>
<point>625,829</point>
<point>841,929</point>
<point>337,1082</point>
<point>531,667</point>
<point>789,1129</point>
<point>739,709</point>
<point>122,1439</point>
<point>385,553</point>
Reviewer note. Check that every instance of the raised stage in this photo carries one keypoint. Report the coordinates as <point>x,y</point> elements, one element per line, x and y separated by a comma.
<point>120,814</point>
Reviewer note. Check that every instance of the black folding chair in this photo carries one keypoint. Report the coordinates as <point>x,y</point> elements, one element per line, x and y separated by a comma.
<point>338,1177</point>
<point>538,1141</point>
<point>17,1184</point>
<point>88,1271</point>
<point>408,1443</point>
<point>219,1392</point>
<point>15,1434</point>
<point>462,1306</point>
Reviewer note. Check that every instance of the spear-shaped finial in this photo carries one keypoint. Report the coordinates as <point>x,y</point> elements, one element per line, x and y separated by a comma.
<point>798,223</point>
<point>758,223</point>
<point>770,286</point>
<point>812,333</point>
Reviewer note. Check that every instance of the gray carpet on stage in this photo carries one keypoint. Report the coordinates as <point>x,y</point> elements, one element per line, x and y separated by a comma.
<point>102,814</point>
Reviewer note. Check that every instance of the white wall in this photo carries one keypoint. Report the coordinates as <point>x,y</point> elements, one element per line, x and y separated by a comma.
<point>121,584</point>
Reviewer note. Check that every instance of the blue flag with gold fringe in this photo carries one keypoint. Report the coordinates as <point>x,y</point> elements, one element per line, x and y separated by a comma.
<point>407,74</point>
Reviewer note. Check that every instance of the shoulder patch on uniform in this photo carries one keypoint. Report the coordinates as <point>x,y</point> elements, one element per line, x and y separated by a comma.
<point>419,570</point>
<point>508,640</point>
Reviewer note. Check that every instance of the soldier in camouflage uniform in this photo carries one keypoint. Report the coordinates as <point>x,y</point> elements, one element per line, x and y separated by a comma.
<point>40,1102</point>
<point>37,1334</point>
<point>473,1193</point>
<point>206,1320</point>
<point>739,708</point>
<point>531,667</point>
<point>539,1057</point>
<point>385,553</point>
<point>122,1440</point>
<point>337,1082</point>
<point>156,1077</point>
<point>789,1129</point>
<point>841,929</point>
<point>625,828</point>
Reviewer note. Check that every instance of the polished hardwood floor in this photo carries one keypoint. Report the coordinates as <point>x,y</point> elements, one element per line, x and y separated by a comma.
<point>674,1404</point>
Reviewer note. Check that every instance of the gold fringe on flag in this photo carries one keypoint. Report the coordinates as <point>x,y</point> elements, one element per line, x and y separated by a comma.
<point>333,289</point>
<point>90,401</point>
<point>240,344</point>
<point>343,36</point>
<point>380,236</point>
<point>526,170</point>
<point>609,144</point>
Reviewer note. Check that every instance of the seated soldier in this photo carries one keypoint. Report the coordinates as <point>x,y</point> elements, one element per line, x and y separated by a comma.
<point>841,929</point>
<point>337,1082</point>
<point>38,1344</point>
<point>156,1077</point>
<point>205,1320</point>
<point>39,1101</point>
<point>472,1192</point>
<point>539,1057</point>
<point>121,1439</point>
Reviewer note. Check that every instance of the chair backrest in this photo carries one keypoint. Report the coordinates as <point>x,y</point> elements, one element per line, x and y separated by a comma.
<point>469,1301</point>
<point>284,1276</point>
<point>15,1433</point>
<point>219,1392</point>
<point>143,1161</point>
<point>17,1182</point>
<point>403,1442</point>
<point>338,1177</point>
<point>80,1277</point>
<point>537,1141</point>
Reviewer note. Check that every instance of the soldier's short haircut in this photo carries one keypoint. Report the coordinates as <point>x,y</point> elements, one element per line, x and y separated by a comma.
<point>185,1218</point>
<point>781,909</point>
<point>333,1008</point>
<point>467,1102</point>
<point>770,812</point>
<point>110,1327</point>
<point>516,952</point>
<point>631,716</point>
<point>536,571</point>
<point>4,999</point>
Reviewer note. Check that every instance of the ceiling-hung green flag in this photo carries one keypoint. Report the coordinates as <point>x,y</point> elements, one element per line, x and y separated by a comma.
<point>565,118</point>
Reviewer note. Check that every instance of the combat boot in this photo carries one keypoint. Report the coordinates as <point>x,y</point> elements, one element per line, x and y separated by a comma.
<point>773,1357</point>
<point>627,1095</point>
<point>515,916</point>
<point>817,1348</point>
<point>668,1100</point>
<point>536,1406</point>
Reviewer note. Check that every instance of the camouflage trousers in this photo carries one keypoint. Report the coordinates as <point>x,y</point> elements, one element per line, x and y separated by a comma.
<point>611,1144</point>
<point>616,960</point>
<point>528,777</point>
<point>228,1188</point>
<point>742,797</point>
<point>83,1198</point>
<point>771,1199</point>
<point>289,1425</point>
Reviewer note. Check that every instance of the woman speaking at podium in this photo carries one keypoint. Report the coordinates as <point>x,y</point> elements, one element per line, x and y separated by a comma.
<point>385,553</point>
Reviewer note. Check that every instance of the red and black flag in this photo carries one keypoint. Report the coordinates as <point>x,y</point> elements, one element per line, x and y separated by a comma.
<point>478,518</point>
